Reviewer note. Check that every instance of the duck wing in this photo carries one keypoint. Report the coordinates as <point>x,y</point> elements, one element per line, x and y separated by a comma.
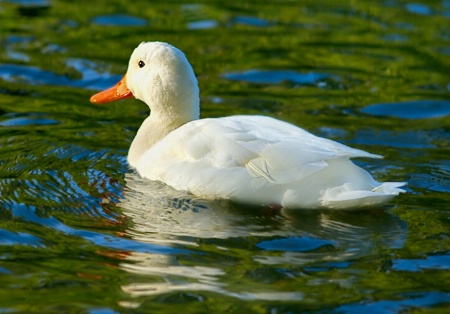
<point>262,148</point>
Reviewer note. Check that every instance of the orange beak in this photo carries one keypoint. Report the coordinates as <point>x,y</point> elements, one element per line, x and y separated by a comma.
<point>118,91</point>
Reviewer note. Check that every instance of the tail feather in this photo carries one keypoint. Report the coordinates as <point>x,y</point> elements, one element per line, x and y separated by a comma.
<point>390,188</point>
<point>352,199</point>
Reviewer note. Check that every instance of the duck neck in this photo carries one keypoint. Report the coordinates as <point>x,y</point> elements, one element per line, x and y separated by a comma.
<point>154,129</point>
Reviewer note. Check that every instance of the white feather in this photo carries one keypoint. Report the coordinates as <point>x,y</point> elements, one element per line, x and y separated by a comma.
<point>250,159</point>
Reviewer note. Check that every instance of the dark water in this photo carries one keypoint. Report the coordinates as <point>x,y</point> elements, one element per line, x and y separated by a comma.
<point>81,233</point>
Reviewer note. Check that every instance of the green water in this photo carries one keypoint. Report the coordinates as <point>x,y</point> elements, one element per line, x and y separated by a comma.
<point>81,233</point>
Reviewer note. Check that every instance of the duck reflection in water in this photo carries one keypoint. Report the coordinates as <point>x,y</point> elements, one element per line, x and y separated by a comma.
<point>313,239</point>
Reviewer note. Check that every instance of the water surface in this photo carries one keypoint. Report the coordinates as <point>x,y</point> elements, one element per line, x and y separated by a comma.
<point>80,232</point>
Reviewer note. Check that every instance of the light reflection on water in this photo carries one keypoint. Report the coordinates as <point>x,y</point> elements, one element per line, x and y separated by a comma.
<point>76,223</point>
<point>91,78</point>
<point>411,300</point>
<point>18,120</point>
<point>29,214</point>
<point>420,109</point>
<point>118,20</point>
<point>276,77</point>
<point>321,240</point>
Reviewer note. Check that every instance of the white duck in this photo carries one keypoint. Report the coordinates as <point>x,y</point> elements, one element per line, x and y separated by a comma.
<point>248,159</point>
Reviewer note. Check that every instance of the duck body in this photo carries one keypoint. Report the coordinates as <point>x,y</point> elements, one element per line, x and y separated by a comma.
<point>264,161</point>
<point>248,159</point>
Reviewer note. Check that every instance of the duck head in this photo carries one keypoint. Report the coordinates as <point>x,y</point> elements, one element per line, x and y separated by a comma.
<point>160,75</point>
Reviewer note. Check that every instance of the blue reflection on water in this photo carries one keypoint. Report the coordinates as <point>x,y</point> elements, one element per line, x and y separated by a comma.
<point>407,139</point>
<point>18,238</point>
<point>294,244</point>
<point>436,179</point>
<point>276,77</point>
<point>31,75</point>
<point>431,262</point>
<point>18,56</point>
<point>411,300</point>
<point>119,20</point>
<point>13,39</point>
<point>27,213</point>
<point>415,109</point>
<point>31,3</point>
<point>203,24</point>
<point>4,271</point>
<point>320,267</point>
<point>251,21</point>
<point>394,37</point>
<point>91,78</point>
<point>419,8</point>
<point>29,119</point>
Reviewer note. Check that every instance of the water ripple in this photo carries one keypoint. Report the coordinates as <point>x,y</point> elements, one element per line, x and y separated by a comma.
<point>160,214</point>
<point>19,238</point>
<point>294,244</point>
<point>119,20</point>
<point>431,262</point>
<point>19,120</point>
<point>419,8</point>
<point>415,109</point>
<point>35,76</point>
<point>202,24</point>
<point>407,302</point>
<point>406,139</point>
<point>277,77</point>
<point>250,21</point>
<point>28,213</point>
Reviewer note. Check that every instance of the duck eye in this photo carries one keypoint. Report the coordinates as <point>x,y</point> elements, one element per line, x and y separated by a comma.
<point>141,64</point>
